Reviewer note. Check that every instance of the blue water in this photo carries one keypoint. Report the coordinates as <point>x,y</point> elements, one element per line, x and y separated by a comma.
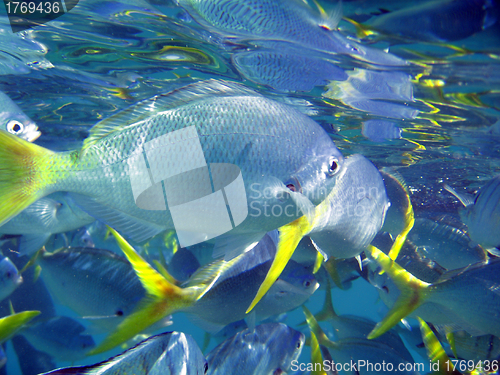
<point>102,57</point>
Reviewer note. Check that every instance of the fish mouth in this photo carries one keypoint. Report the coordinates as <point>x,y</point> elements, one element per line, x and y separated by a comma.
<point>294,185</point>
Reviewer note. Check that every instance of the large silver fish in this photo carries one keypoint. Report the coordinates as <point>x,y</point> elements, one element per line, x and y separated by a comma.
<point>206,146</point>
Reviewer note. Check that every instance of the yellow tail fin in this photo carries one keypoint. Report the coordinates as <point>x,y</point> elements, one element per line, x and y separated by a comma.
<point>289,237</point>
<point>9,325</point>
<point>22,178</point>
<point>435,350</point>
<point>413,292</point>
<point>163,298</point>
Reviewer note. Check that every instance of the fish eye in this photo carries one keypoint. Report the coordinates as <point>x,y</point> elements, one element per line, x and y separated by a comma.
<point>333,166</point>
<point>8,274</point>
<point>299,344</point>
<point>206,367</point>
<point>15,127</point>
<point>119,313</point>
<point>386,289</point>
<point>306,283</point>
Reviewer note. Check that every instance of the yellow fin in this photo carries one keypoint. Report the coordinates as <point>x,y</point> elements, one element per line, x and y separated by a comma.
<point>331,268</point>
<point>38,271</point>
<point>147,313</point>
<point>401,238</point>
<point>163,271</point>
<point>163,298</point>
<point>22,177</point>
<point>316,356</point>
<point>289,237</point>
<point>9,325</point>
<point>413,292</point>
<point>32,260</point>
<point>155,284</point>
<point>362,31</point>
<point>317,262</point>
<point>316,329</point>
<point>450,337</point>
<point>435,350</point>
<point>327,312</point>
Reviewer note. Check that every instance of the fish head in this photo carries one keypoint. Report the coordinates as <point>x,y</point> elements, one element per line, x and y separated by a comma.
<point>318,174</point>
<point>285,345</point>
<point>9,275</point>
<point>354,210</point>
<point>14,121</point>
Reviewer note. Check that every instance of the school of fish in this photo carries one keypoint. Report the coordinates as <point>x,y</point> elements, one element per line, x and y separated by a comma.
<point>218,199</point>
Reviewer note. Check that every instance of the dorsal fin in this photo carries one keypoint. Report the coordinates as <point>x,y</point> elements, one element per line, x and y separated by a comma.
<point>163,102</point>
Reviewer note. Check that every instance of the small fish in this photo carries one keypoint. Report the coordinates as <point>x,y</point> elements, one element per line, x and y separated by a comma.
<point>170,353</point>
<point>60,337</point>
<point>448,246</point>
<point>206,292</point>
<point>464,299</point>
<point>13,120</point>
<point>356,353</point>
<point>269,349</point>
<point>223,124</point>
<point>380,130</point>
<point>96,284</point>
<point>49,215</point>
<point>10,278</point>
<point>438,21</point>
<point>482,215</point>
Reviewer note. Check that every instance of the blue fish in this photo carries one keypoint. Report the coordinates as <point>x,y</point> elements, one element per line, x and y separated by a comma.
<point>10,278</point>
<point>60,337</point>
<point>269,349</point>
<point>49,215</point>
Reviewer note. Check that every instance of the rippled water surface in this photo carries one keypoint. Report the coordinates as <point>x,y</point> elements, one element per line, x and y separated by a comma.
<point>440,111</point>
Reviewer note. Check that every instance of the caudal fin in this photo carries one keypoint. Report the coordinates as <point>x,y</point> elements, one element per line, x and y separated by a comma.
<point>22,177</point>
<point>413,292</point>
<point>163,298</point>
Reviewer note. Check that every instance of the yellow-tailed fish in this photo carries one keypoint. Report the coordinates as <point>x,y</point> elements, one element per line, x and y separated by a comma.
<point>343,224</point>
<point>465,298</point>
<point>208,290</point>
<point>435,350</point>
<point>353,354</point>
<point>229,131</point>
